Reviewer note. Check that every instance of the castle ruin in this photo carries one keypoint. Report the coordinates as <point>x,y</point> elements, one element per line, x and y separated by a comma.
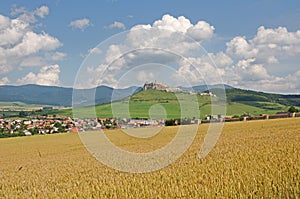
<point>160,86</point>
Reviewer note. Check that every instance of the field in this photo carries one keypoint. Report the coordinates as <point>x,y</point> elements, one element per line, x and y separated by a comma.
<point>255,159</point>
<point>12,109</point>
<point>140,103</point>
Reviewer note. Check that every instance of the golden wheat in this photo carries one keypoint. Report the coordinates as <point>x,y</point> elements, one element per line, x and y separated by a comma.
<point>257,159</point>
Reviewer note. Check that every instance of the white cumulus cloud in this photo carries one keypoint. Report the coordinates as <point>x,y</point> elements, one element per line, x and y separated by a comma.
<point>48,76</point>
<point>268,45</point>
<point>116,24</point>
<point>163,42</point>
<point>95,51</point>
<point>202,30</point>
<point>256,58</point>
<point>20,45</point>
<point>144,76</point>
<point>29,16</point>
<point>42,11</point>
<point>33,43</point>
<point>251,71</point>
<point>81,24</point>
<point>4,81</point>
<point>246,62</point>
<point>239,46</point>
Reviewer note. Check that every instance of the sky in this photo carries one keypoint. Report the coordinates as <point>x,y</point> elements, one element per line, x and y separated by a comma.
<point>251,44</point>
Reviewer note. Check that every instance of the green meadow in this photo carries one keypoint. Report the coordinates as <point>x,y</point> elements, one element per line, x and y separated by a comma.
<point>154,103</point>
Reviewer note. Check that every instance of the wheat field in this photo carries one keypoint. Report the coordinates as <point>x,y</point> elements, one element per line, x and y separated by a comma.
<point>255,159</point>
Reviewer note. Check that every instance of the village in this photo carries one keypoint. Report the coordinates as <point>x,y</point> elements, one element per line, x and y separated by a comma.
<point>62,124</point>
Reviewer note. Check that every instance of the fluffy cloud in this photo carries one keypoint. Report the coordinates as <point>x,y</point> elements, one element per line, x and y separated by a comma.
<point>55,56</point>
<point>4,81</point>
<point>206,69</point>
<point>94,51</point>
<point>42,11</point>
<point>48,75</point>
<point>241,73</point>
<point>255,59</point>
<point>4,22</point>
<point>91,51</point>
<point>29,16</point>
<point>81,24</point>
<point>220,60</point>
<point>174,42</point>
<point>20,45</point>
<point>175,35</point>
<point>202,30</point>
<point>33,43</point>
<point>12,31</point>
<point>116,24</point>
<point>280,36</point>
<point>181,24</point>
<point>144,76</point>
<point>162,42</point>
<point>170,30</point>
<point>239,46</point>
<point>267,46</point>
<point>249,71</point>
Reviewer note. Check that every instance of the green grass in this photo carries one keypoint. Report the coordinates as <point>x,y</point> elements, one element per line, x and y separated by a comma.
<point>141,104</point>
<point>12,109</point>
<point>19,105</point>
<point>234,108</point>
<point>13,104</point>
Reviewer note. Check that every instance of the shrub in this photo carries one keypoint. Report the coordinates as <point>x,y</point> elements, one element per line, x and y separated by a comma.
<point>292,109</point>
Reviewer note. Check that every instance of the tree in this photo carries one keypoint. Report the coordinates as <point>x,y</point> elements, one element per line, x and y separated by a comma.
<point>23,114</point>
<point>34,130</point>
<point>292,109</point>
<point>170,122</point>
<point>59,127</point>
<point>186,121</point>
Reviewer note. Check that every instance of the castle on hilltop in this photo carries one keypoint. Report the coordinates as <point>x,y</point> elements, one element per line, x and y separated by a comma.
<point>164,87</point>
<point>160,86</point>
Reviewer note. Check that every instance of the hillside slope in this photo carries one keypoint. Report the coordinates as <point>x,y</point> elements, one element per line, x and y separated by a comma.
<point>60,96</point>
<point>142,103</point>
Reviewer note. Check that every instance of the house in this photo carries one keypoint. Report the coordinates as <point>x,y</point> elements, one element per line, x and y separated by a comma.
<point>27,133</point>
<point>27,122</point>
<point>74,130</point>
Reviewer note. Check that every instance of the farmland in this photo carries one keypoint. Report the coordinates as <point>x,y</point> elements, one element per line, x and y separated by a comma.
<point>140,103</point>
<point>252,159</point>
<point>238,102</point>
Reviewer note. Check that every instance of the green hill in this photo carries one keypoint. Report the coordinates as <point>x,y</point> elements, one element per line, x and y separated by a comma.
<point>157,103</point>
<point>144,104</point>
<point>60,96</point>
<point>161,104</point>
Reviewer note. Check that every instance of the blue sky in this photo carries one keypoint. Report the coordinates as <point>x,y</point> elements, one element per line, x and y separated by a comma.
<point>253,44</point>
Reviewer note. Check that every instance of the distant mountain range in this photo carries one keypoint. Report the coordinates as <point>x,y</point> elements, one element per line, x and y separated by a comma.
<point>60,96</point>
<point>203,88</point>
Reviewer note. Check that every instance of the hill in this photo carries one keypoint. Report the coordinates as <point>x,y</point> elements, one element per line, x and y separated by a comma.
<point>238,102</point>
<point>141,101</point>
<point>203,88</point>
<point>138,105</point>
<point>262,100</point>
<point>59,96</point>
